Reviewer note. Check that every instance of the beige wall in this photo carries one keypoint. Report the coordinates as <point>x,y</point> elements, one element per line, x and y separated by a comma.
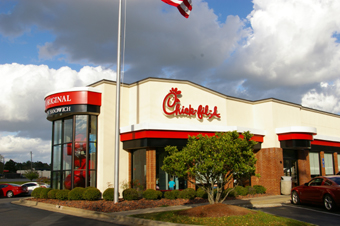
<point>141,103</point>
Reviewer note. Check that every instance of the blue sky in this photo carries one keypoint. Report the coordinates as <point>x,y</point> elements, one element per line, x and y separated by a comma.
<point>285,49</point>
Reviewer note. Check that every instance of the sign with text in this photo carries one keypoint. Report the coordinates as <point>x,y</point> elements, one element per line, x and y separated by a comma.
<point>172,106</point>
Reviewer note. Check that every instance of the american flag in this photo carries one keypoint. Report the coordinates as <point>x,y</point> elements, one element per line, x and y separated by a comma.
<point>183,6</point>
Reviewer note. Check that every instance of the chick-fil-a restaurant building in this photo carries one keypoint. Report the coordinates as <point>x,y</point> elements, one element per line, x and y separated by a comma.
<point>292,140</point>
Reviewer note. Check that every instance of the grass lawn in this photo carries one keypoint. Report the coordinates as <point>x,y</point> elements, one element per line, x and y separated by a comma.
<point>260,218</point>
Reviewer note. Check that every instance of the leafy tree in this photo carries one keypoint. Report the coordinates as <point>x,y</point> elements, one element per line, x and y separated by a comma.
<point>11,166</point>
<point>208,161</point>
<point>31,175</point>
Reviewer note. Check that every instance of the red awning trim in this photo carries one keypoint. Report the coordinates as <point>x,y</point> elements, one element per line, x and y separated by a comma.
<point>325,143</point>
<point>171,134</point>
<point>295,136</point>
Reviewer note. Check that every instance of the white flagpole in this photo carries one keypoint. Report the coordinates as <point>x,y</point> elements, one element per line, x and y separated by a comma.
<point>116,172</point>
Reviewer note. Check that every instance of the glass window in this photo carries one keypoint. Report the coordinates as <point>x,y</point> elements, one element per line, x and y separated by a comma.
<point>56,157</point>
<point>339,162</point>
<point>57,132</point>
<point>314,163</point>
<point>67,156</point>
<point>139,166</point>
<point>68,124</point>
<point>71,160</point>
<point>329,164</point>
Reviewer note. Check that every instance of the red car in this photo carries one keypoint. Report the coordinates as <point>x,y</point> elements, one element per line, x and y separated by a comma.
<point>323,190</point>
<point>11,190</point>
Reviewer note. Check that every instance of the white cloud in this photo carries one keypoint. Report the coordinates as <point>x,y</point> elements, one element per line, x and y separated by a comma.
<point>23,123</point>
<point>326,98</point>
<point>18,149</point>
<point>292,47</point>
<point>23,87</point>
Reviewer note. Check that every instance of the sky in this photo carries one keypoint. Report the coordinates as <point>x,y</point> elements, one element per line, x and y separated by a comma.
<point>284,49</point>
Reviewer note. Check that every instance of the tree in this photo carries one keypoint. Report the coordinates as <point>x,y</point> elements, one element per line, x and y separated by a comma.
<point>31,174</point>
<point>209,161</point>
<point>11,166</point>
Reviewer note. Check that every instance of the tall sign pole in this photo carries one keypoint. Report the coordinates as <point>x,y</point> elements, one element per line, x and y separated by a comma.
<point>116,172</point>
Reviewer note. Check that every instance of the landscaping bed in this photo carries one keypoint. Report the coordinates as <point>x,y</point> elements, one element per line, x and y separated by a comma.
<point>110,206</point>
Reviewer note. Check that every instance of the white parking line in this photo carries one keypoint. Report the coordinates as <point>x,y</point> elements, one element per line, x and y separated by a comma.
<point>298,207</point>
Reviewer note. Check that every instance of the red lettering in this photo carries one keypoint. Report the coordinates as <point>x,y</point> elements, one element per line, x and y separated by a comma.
<point>172,106</point>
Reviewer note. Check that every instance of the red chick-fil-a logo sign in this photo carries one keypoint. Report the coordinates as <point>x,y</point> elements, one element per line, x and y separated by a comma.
<point>172,106</point>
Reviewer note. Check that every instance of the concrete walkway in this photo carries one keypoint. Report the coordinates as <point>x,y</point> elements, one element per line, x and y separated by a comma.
<point>123,216</point>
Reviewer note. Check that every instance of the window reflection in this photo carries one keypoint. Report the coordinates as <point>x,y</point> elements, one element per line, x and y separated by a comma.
<point>75,156</point>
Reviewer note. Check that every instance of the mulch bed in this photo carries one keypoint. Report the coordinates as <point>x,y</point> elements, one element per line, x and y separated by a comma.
<point>122,205</point>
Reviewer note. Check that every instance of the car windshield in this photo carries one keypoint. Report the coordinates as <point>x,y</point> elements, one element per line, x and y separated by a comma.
<point>335,179</point>
<point>15,185</point>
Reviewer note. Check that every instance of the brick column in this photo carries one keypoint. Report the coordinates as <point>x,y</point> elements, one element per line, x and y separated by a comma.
<point>151,169</point>
<point>303,166</point>
<point>270,167</point>
<point>323,170</point>
<point>130,166</point>
<point>335,157</point>
<point>191,185</point>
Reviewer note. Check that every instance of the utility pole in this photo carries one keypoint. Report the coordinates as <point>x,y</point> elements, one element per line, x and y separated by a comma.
<point>31,162</point>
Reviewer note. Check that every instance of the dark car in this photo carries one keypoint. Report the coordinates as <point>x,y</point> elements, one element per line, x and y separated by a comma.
<point>323,190</point>
<point>11,190</point>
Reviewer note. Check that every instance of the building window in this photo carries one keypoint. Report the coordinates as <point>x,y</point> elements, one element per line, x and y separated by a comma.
<point>314,163</point>
<point>138,158</point>
<point>329,164</point>
<point>74,152</point>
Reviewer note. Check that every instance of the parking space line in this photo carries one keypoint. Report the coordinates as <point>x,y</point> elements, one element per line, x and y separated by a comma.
<point>298,207</point>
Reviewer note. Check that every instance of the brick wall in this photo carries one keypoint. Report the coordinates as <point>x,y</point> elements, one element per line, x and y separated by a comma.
<point>335,157</point>
<point>270,167</point>
<point>303,166</point>
<point>150,169</point>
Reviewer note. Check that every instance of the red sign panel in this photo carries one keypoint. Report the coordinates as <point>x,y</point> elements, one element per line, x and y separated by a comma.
<point>73,97</point>
<point>172,106</point>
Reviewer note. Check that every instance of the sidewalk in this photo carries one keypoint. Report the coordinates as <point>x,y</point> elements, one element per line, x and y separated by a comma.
<point>123,217</point>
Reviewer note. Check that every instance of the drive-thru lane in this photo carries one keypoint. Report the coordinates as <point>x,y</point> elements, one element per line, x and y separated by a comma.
<point>311,214</point>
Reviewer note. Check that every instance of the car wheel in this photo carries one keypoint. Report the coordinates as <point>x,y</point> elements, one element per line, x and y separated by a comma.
<point>328,202</point>
<point>295,198</point>
<point>9,194</point>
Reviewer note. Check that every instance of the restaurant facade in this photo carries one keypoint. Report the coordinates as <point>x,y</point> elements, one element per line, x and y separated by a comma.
<point>292,140</point>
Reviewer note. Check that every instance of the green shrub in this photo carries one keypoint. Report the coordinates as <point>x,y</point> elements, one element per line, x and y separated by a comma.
<point>130,194</point>
<point>251,190</point>
<point>92,194</point>
<point>36,192</point>
<point>187,193</point>
<point>201,193</point>
<point>150,194</point>
<point>242,191</point>
<point>232,192</point>
<point>108,194</point>
<point>170,195</point>
<point>76,193</point>
<point>44,192</point>
<point>89,187</point>
<point>260,189</point>
<point>160,194</point>
<point>176,192</point>
<point>51,194</point>
<point>62,194</point>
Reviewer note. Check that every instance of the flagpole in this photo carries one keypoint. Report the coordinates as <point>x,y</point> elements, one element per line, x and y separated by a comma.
<point>117,132</point>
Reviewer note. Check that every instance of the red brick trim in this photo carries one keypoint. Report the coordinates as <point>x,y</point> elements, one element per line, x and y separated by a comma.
<point>151,169</point>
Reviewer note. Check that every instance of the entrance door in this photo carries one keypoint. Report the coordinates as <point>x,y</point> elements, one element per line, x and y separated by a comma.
<point>290,165</point>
